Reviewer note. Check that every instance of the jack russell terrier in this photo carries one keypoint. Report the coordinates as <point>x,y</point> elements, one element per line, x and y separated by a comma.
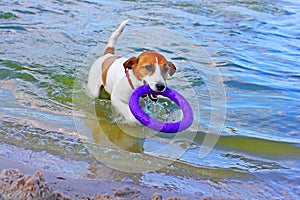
<point>120,76</point>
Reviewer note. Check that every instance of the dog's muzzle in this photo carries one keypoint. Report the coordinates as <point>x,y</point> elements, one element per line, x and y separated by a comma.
<point>160,87</point>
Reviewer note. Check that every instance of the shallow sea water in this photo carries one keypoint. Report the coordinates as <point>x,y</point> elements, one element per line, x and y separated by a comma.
<point>46,47</point>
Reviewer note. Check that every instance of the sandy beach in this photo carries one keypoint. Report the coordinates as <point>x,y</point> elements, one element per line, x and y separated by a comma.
<point>21,181</point>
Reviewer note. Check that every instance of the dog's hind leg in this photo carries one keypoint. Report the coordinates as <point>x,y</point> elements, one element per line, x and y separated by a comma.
<point>110,48</point>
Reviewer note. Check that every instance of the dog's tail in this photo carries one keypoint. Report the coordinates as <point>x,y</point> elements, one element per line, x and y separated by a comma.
<point>110,48</point>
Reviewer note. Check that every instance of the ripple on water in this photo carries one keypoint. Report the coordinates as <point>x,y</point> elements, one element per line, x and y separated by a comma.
<point>254,46</point>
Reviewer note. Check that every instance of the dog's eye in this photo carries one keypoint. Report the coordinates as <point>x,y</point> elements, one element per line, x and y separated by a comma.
<point>149,67</point>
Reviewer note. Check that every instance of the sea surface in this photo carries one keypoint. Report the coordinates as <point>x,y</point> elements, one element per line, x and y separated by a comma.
<point>237,64</point>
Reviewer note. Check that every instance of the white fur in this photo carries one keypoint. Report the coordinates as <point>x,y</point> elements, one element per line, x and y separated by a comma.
<point>95,74</point>
<point>114,37</point>
<point>95,77</point>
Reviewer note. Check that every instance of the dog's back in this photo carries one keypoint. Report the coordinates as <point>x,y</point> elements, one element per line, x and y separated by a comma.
<point>98,71</point>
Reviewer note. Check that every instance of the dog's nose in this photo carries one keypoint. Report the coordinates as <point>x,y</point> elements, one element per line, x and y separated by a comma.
<point>160,87</point>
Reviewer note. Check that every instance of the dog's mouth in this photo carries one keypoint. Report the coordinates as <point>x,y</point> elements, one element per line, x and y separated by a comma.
<point>153,97</point>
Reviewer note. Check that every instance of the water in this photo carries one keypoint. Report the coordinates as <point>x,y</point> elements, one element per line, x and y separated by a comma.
<point>254,45</point>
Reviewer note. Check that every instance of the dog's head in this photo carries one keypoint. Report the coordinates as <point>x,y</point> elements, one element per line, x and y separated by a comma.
<point>152,68</point>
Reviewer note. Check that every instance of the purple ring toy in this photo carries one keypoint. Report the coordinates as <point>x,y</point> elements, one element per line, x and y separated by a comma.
<point>166,127</point>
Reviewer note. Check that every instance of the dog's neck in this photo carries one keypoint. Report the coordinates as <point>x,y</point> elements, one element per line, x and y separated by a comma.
<point>129,79</point>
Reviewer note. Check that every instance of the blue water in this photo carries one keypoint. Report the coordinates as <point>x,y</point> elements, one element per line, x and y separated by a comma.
<point>253,44</point>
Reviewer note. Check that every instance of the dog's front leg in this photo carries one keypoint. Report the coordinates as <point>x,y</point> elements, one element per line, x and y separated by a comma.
<point>123,108</point>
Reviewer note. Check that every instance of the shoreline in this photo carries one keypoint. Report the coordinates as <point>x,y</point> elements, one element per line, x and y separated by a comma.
<point>19,180</point>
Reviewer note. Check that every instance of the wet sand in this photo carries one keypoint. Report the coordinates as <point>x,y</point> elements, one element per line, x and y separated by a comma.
<point>19,180</point>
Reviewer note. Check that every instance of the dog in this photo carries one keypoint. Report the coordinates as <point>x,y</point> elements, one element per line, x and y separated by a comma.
<point>119,76</point>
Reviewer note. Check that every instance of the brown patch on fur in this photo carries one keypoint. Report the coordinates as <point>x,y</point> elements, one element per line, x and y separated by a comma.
<point>109,50</point>
<point>172,68</point>
<point>129,63</point>
<point>138,65</point>
<point>106,65</point>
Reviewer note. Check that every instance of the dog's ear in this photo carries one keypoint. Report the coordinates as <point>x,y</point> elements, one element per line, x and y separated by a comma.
<point>172,68</point>
<point>130,62</point>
